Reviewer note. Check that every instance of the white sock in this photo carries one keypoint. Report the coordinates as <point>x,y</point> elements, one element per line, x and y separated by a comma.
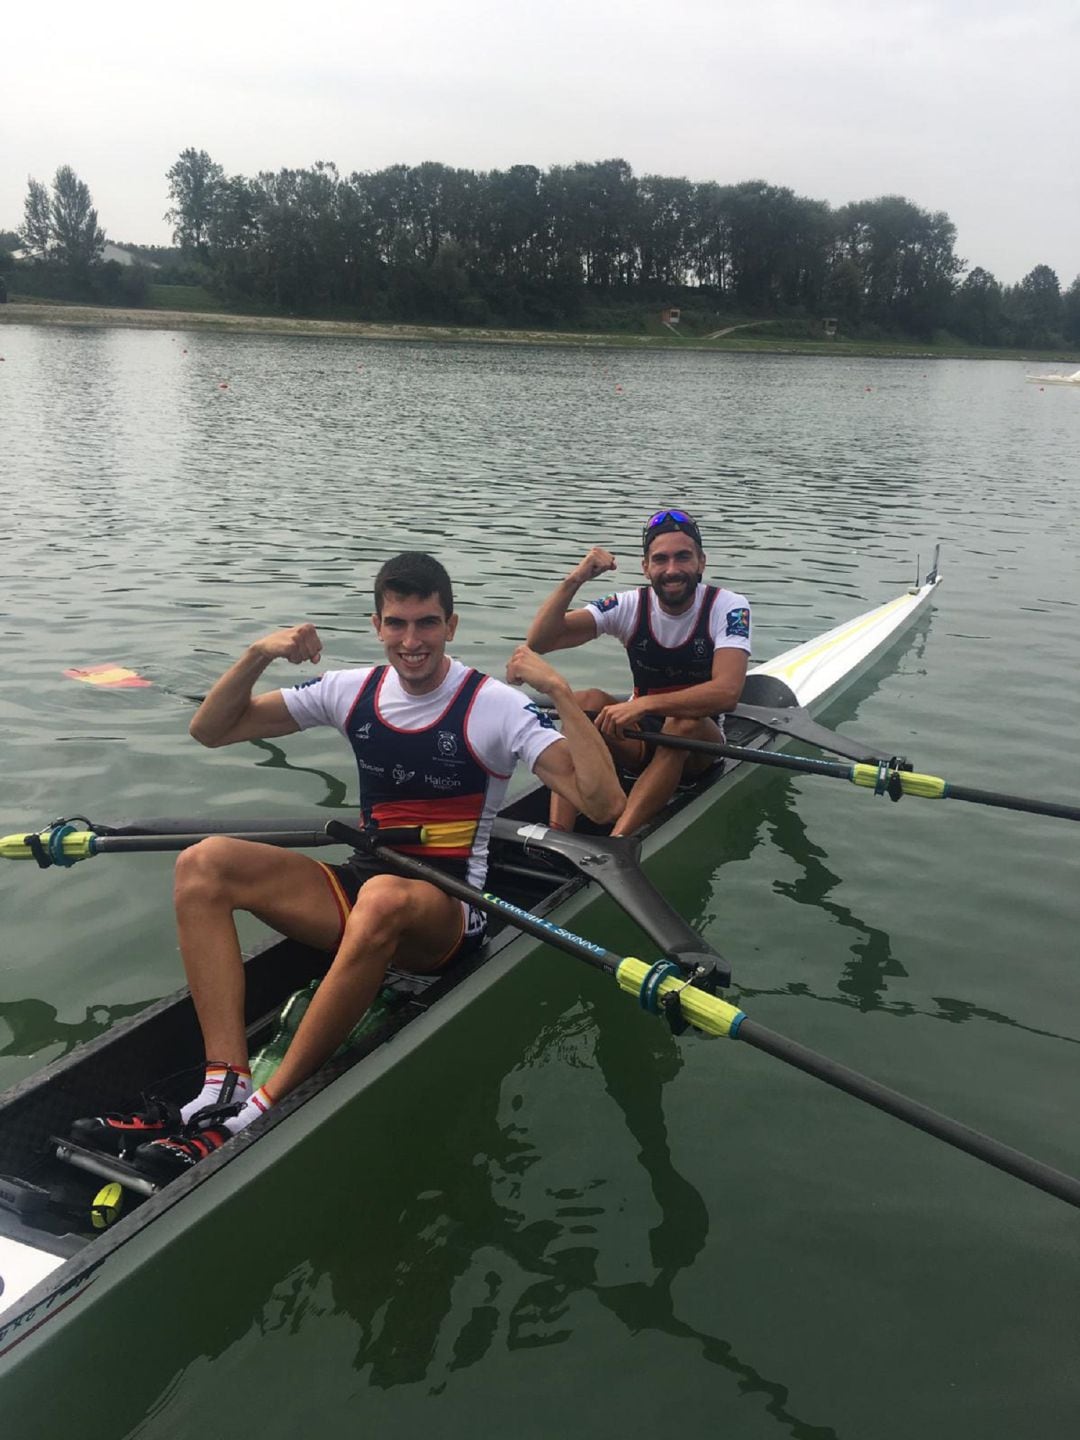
<point>210,1094</point>
<point>255,1105</point>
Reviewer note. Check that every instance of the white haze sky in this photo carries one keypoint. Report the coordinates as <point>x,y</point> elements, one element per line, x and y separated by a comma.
<point>967,106</point>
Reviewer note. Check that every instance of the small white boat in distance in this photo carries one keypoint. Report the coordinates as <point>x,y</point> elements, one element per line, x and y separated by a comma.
<point>1073,379</point>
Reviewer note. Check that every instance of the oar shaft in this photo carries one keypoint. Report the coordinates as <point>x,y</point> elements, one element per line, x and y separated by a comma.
<point>723,751</point>
<point>912,1112</point>
<point>1011,802</point>
<point>911,782</point>
<point>414,869</point>
<point>717,1017</point>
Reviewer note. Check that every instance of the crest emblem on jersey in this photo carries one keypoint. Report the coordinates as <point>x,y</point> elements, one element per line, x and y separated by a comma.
<point>738,623</point>
<point>544,718</point>
<point>700,648</point>
<point>446,743</point>
<point>606,602</point>
<point>400,775</point>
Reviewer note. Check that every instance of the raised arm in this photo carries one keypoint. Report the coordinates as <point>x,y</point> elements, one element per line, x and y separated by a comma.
<point>581,771</point>
<point>552,628</point>
<point>230,712</point>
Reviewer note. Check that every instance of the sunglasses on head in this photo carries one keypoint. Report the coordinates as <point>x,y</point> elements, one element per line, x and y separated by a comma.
<point>679,516</point>
<point>673,520</point>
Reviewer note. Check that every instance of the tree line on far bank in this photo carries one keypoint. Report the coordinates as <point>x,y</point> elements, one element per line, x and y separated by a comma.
<point>588,244</point>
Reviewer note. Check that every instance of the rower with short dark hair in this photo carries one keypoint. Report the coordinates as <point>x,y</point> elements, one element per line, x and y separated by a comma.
<point>435,744</point>
<point>687,643</point>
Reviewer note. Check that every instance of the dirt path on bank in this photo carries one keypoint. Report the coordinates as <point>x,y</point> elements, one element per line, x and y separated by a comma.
<point>28,314</point>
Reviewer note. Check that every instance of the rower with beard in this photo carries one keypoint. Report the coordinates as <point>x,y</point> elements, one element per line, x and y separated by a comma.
<point>688,644</point>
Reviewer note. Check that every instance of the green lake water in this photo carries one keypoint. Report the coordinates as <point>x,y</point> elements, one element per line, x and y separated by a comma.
<point>554,1218</point>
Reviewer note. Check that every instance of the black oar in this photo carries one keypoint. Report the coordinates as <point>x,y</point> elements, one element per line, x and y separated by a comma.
<point>883,779</point>
<point>784,716</point>
<point>655,985</point>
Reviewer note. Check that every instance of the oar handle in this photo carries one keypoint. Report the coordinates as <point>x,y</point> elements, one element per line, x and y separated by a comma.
<point>372,844</point>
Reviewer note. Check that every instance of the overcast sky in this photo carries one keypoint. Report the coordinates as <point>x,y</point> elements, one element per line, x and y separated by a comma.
<point>967,106</point>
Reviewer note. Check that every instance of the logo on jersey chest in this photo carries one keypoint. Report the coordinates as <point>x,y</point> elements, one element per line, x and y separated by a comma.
<point>442,782</point>
<point>400,775</point>
<point>700,648</point>
<point>364,731</point>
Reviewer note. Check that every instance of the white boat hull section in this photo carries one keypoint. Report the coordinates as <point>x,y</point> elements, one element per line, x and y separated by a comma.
<point>21,1267</point>
<point>823,665</point>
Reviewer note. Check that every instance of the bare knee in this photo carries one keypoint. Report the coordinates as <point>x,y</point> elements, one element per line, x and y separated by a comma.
<point>382,909</point>
<point>202,871</point>
<point>684,727</point>
<point>592,699</point>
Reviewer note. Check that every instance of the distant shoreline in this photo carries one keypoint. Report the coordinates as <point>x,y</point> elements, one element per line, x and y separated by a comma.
<point>24,313</point>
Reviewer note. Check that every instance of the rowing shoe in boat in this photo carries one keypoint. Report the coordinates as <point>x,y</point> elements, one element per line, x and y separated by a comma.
<point>75,1223</point>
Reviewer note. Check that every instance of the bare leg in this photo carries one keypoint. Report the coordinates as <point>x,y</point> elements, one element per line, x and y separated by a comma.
<point>657,783</point>
<point>213,880</point>
<point>630,754</point>
<point>407,923</point>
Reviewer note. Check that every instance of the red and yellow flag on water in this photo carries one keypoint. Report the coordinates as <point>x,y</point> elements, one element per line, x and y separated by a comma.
<point>113,677</point>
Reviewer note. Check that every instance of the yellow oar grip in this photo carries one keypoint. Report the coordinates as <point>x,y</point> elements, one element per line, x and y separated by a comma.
<point>704,1011</point>
<point>76,846</point>
<point>926,787</point>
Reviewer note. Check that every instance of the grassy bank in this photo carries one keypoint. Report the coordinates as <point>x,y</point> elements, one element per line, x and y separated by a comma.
<point>748,337</point>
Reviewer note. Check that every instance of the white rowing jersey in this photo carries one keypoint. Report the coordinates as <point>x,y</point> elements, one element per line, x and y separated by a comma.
<point>501,726</point>
<point>729,622</point>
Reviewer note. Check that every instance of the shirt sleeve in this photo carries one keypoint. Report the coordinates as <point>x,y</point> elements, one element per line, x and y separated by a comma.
<point>616,614</point>
<point>730,622</point>
<point>326,700</point>
<point>506,727</point>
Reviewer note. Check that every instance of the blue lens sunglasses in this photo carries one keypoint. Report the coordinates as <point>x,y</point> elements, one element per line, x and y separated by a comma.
<point>679,518</point>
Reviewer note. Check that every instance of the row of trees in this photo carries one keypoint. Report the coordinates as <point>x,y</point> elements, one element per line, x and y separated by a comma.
<point>434,242</point>
<point>430,242</point>
<point>62,242</point>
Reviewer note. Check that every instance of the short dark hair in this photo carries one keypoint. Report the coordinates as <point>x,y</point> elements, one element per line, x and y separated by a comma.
<point>414,573</point>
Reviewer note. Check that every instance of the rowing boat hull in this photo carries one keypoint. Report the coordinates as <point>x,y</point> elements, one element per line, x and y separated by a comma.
<point>36,1304</point>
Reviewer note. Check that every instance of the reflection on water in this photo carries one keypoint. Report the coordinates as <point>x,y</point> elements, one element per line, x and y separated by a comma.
<point>33,1027</point>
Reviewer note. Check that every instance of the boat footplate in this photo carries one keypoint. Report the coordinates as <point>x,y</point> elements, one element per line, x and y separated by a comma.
<point>108,1167</point>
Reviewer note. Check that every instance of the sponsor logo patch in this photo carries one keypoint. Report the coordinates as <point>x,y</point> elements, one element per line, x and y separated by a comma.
<point>303,685</point>
<point>363,732</point>
<point>399,775</point>
<point>546,722</point>
<point>606,602</point>
<point>738,623</point>
<point>441,782</point>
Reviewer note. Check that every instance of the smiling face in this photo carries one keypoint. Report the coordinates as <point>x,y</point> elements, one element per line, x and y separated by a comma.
<point>674,567</point>
<point>415,631</point>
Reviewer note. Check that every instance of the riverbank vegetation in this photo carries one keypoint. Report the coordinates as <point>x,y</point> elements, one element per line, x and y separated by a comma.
<point>588,248</point>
